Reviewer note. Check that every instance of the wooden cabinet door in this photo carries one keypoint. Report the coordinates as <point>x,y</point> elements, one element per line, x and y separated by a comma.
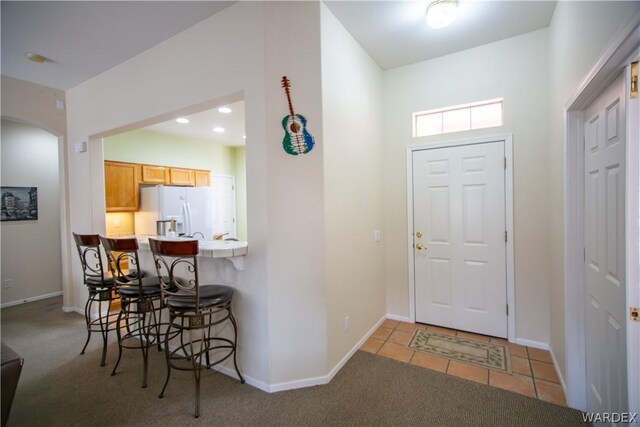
<point>121,186</point>
<point>152,174</point>
<point>203,178</point>
<point>181,177</point>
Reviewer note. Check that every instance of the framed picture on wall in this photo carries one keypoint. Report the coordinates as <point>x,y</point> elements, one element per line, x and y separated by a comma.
<point>19,204</point>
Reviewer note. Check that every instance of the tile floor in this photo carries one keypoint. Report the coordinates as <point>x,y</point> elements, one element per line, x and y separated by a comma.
<point>533,372</point>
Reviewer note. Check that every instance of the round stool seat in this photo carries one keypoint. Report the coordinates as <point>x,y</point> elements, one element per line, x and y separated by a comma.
<point>210,296</point>
<point>150,287</point>
<point>95,282</point>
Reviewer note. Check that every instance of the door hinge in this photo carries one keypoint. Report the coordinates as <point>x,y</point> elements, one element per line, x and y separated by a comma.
<point>505,162</point>
<point>507,309</point>
<point>635,313</point>
<point>506,236</point>
<point>634,80</point>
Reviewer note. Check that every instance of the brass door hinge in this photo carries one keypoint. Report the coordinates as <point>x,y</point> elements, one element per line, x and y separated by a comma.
<point>507,309</point>
<point>505,162</point>
<point>505,236</point>
<point>635,313</point>
<point>634,80</point>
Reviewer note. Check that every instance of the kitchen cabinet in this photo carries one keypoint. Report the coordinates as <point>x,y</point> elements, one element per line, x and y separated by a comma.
<point>178,176</point>
<point>203,178</point>
<point>121,186</point>
<point>152,174</point>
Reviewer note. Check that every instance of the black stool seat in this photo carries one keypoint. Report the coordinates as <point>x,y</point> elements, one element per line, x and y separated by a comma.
<point>96,282</point>
<point>210,296</point>
<point>150,287</point>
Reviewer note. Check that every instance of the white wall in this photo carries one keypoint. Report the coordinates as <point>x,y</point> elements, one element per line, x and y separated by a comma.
<point>31,249</point>
<point>296,258</point>
<point>170,76</point>
<point>280,301</point>
<point>578,34</point>
<point>516,70</point>
<point>352,127</point>
<point>34,104</point>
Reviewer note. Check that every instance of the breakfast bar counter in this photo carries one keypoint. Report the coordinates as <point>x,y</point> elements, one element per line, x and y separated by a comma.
<point>231,250</point>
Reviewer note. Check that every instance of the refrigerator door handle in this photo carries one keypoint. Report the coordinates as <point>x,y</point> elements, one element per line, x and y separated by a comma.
<point>186,214</point>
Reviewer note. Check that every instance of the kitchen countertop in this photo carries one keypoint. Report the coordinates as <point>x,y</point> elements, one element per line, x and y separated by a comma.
<point>229,249</point>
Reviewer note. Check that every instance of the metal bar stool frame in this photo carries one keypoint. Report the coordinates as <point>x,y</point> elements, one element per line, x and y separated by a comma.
<point>100,285</point>
<point>193,308</point>
<point>140,315</point>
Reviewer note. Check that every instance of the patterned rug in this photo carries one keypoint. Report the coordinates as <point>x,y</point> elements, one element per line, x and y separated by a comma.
<point>487,355</point>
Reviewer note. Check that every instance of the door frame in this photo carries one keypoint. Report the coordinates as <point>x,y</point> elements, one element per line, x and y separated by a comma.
<point>623,49</point>
<point>508,189</point>
<point>235,201</point>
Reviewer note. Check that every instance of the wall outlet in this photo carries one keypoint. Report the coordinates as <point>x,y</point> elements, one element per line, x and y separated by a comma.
<point>7,283</point>
<point>376,235</point>
<point>347,323</point>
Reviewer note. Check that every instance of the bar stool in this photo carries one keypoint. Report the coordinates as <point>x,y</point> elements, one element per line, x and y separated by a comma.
<point>100,284</point>
<point>193,311</point>
<point>140,302</point>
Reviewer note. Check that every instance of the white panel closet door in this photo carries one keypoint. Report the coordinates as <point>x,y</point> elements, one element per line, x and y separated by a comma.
<point>459,208</point>
<point>604,192</point>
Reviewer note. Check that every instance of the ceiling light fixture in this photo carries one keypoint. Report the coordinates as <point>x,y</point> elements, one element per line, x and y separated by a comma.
<point>224,110</point>
<point>38,59</point>
<point>182,120</point>
<point>441,13</point>
<point>218,129</point>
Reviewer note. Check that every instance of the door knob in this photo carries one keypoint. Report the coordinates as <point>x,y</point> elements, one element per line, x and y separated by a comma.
<point>420,247</point>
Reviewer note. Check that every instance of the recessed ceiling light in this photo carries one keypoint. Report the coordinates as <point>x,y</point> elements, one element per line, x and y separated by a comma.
<point>182,120</point>
<point>441,13</point>
<point>244,136</point>
<point>218,129</point>
<point>224,110</point>
<point>38,59</point>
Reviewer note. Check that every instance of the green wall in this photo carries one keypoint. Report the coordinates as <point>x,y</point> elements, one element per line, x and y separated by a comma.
<point>143,146</point>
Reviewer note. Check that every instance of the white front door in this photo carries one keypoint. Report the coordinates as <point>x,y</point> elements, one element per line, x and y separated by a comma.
<point>604,207</point>
<point>459,237</point>
<point>224,205</point>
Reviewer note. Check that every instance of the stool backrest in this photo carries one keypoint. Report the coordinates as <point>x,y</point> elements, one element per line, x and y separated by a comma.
<point>88,246</point>
<point>124,263</point>
<point>177,268</point>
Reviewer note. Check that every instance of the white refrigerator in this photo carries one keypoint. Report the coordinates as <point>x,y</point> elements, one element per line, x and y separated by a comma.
<point>191,207</point>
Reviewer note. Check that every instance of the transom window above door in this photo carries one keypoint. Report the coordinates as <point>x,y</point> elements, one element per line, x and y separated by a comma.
<point>478,115</point>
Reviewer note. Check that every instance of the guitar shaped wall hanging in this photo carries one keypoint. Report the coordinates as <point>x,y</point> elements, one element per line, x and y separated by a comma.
<point>296,138</point>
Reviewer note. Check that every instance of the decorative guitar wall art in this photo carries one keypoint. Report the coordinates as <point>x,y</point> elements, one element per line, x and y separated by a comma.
<point>296,138</point>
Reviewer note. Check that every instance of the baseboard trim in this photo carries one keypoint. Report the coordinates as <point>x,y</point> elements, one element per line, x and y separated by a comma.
<point>531,343</point>
<point>558,373</point>
<point>325,379</point>
<point>231,372</point>
<point>399,318</point>
<point>73,310</point>
<point>30,299</point>
<point>308,382</point>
